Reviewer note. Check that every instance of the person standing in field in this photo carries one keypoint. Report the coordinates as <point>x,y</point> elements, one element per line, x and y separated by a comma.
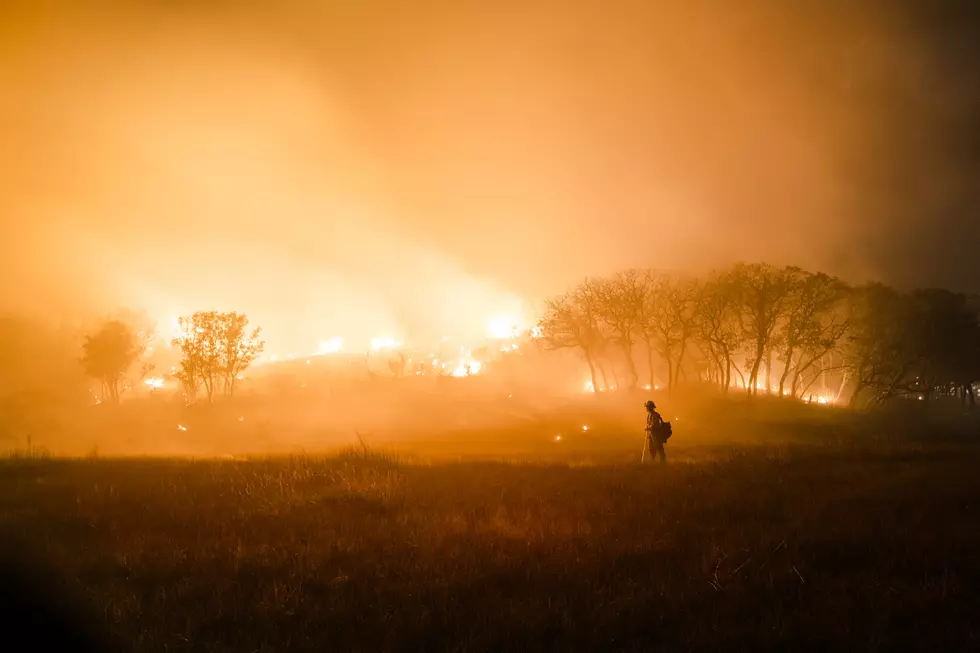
<point>655,436</point>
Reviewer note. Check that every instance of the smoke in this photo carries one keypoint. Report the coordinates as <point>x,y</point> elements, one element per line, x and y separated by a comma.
<point>407,169</point>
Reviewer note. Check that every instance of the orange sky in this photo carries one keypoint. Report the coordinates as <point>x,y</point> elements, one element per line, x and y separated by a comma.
<point>338,168</point>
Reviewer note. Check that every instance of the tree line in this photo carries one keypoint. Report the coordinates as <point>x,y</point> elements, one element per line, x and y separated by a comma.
<point>215,349</point>
<point>763,328</point>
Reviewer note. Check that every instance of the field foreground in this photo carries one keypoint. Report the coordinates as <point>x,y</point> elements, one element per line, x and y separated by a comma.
<point>837,547</point>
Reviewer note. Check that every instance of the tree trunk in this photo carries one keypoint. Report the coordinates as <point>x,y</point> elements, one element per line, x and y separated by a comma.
<point>634,377</point>
<point>208,382</point>
<point>650,364</point>
<point>740,375</point>
<point>717,374</point>
<point>786,369</point>
<point>602,371</point>
<point>769,372</point>
<point>595,383</point>
<point>754,375</point>
<point>678,370</point>
<point>854,397</point>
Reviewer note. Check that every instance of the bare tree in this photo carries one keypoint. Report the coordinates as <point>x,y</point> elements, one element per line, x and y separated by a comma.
<point>623,300</point>
<point>820,343</point>
<point>883,349</point>
<point>571,321</point>
<point>671,321</point>
<point>883,342</point>
<point>216,349</point>
<point>107,356</point>
<point>239,348</point>
<point>764,293</point>
<point>811,325</point>
<point>717,325</point>
<point>645,315</point>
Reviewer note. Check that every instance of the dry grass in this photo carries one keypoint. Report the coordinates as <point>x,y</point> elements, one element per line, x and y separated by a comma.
<point>850,545</point>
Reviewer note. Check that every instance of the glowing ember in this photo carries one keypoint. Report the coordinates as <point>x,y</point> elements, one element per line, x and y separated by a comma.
<point>181,427</point>
<point>467,368</point>
<point>823,400</point>
<point>384,342</point>
<point>501,327</point>
<point>331,346</point>
<point>558,438</point>
<point>585,427</point>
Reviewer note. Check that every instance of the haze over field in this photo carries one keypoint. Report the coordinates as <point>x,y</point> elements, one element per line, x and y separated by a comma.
<point>490,325</point>
<point>412,169</point>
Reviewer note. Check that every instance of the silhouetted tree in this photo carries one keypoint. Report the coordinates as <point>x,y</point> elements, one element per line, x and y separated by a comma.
<point>216,349</point>
<point>950,337</point>
<point>883,342</point>
<point>240,347</point>
<point>813,322</point>
<point>563,326</point>
<point>572,321</point>
<point>763,293</point>
<point>671,321</point>
<point>717,325</point>
<point>884,346</point>
<point>622,304</point>
<point>107,356</point>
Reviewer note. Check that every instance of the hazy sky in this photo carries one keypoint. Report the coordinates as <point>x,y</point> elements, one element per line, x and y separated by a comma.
<point>372,167</point>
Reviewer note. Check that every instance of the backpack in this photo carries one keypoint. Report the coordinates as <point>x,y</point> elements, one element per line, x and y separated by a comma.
<point>666,431</point>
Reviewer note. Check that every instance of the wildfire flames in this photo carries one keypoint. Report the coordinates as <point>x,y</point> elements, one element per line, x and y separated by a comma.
<point>467,368</point>
<point>384,342</point>
<point>823,399</point>
<point>331,346</point>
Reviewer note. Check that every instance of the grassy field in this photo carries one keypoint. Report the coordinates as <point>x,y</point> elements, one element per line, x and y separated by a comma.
<point>823,534</point>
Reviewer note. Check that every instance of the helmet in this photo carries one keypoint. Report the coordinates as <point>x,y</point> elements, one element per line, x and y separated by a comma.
<point>650,404</point>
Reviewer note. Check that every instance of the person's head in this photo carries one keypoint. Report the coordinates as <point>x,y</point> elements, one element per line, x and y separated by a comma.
<point>650,405</point>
